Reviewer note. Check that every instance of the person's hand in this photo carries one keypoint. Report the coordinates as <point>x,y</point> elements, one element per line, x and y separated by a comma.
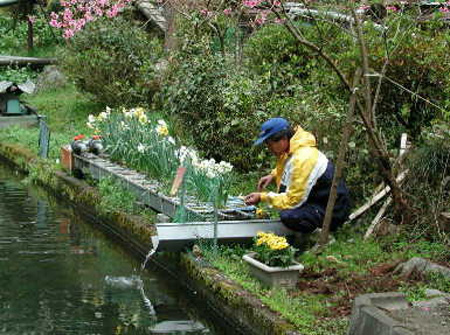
<point>252,198</point>
<point>264,181</point>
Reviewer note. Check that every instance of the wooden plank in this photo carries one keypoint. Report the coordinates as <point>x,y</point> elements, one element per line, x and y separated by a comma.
<point>377,197</point>
<point>24,61</point>
<point>377,218</point>
<point>153,13</point>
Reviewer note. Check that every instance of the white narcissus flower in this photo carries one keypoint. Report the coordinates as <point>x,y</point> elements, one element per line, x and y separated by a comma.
<point>170,139</point>
<point>127,114</point>
<point>225,166</point>
<point>90,125</point>
<point>108,110</point>
<point>185,153</point>
<point>91,119</point>
<point>103,116</point>
<point>141,148</point>
<point>210,174</point>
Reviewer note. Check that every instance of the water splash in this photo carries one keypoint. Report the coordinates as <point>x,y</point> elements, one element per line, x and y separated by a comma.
<point>132,282</point>
<point>124,282</point>
<point>155,243</point>
<point>147,302</point>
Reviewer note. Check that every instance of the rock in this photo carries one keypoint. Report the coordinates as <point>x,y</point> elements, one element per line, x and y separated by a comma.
<point>421,265</point>
<point>385,228</point>
<point>162,218</point>
<point>50,78</point>
<point>391,314</point>
<point>431,293</point>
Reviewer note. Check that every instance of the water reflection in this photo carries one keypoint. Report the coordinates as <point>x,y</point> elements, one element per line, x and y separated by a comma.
<point>58,275</point>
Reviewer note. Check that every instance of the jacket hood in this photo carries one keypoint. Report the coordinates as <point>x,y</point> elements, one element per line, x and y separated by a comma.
<point>300,139</point>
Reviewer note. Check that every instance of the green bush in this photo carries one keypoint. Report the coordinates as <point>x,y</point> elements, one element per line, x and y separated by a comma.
<point>115,62</point>
<point>17,75</point>
<point>215,103</point>
<point>419,61</point>
<point>275,55</point>
<point>429,189</point>
<point>222,105</point>
<point>13,34</point>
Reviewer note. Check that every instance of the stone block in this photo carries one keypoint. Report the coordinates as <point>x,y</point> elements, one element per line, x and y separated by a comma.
<point>162,218</point>
<point>392,314</point>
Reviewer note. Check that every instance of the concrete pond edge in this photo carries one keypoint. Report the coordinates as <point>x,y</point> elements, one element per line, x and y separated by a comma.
<point>225,297</point>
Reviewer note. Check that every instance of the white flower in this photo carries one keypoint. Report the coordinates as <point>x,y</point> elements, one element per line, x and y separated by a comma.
<point>108,110</point>
<point>185,153</point>
<point>225,167</point>
<point>170,139</point>
<point>91,118</point>
<point>127,114</point>
<point>210,174</point>
<point>162,123</point>
<point>103,116</point>
<point>90,125</point>
<point>141,148</point>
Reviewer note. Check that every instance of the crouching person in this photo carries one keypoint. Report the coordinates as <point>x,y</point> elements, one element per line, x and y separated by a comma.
<point>303,176</point>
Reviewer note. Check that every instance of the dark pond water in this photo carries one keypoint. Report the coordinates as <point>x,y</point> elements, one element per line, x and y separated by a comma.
<point>59,275</point>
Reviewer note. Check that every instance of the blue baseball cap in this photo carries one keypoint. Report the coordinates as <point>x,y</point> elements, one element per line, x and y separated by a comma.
<point>270,128</point>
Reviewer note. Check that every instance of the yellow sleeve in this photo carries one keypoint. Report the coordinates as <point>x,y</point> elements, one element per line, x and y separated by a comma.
<point>274,172</point>
<point>303,163</point>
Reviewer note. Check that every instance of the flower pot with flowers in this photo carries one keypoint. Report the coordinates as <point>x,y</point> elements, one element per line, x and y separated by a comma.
<point>273,262</point>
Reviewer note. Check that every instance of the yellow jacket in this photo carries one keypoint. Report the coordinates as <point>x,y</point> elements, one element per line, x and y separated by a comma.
<point>296,172</point>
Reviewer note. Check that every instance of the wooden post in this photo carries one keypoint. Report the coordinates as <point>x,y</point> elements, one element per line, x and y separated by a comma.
<point>346,129</point>
<point>30,35</point>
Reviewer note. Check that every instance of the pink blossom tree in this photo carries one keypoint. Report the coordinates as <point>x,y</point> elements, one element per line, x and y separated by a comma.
<point>77,13</point>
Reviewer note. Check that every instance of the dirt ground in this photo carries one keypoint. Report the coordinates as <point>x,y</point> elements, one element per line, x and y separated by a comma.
<point>340,291</point>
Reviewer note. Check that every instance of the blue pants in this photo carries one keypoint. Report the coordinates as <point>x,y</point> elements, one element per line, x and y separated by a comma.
<point>308,217</point>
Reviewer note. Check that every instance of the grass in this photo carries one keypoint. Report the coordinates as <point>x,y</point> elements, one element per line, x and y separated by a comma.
<point>346,268</point>
<point>65,112</point>
<point>66,109</point>
<point>305,311</point>
<point>114,197</point>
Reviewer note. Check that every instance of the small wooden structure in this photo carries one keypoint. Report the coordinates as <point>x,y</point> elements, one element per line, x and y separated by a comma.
<point>12,112</point>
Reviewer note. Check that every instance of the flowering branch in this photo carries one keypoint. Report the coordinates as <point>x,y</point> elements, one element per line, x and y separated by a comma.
<point>77,13</point>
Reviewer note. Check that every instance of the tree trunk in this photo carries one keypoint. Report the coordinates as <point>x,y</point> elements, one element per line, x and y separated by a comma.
<point>30,36</point>
<point>340,163</point>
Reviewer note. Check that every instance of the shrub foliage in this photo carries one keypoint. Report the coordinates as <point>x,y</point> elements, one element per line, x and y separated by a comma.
<point>115,61</point>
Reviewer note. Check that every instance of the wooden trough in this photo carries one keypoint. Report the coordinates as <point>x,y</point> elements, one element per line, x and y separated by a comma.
<point>234,225</point>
